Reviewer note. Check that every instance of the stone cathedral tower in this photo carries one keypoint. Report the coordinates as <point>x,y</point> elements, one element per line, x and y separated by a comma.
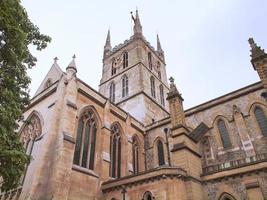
<point>134,76</point>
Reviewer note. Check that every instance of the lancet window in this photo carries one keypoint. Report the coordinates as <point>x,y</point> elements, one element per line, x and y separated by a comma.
<point>115,151</point>
<point>84,154</point>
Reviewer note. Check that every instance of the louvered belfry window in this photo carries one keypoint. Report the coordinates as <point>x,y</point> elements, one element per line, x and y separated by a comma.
<point>112,92</point>
<point>115,152</point>
<point>160,149</point>
<point>124,85</point>
<point>162,99</point>
<point>224,134</point>
<point>152,85</point>
<point>261,119</point>
<point>149,57</point>
<point>84,154</point>
<point>113,67</point>
<point>125,60</point>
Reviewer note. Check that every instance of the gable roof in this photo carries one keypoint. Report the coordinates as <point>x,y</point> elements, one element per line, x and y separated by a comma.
<point>53,75</point>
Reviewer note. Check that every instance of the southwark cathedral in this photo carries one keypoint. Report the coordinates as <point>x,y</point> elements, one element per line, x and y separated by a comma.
<point>132,140</point>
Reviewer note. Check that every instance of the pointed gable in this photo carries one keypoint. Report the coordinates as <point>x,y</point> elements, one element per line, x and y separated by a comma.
<point>51,77</point>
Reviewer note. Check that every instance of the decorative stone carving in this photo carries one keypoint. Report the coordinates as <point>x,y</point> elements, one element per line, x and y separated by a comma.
<point>212,191</point>
<point>239,188</point>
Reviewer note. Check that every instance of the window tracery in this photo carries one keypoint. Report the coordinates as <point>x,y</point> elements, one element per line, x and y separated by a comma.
<point>84,154</point>
<point>30,132</point>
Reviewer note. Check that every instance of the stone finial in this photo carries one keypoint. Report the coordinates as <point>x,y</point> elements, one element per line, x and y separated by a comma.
<point>55,59</point>
<point>72,65</point>
<point>175,105</point>
<point>171,79</point>
<point>137,24</point>
<point>173,90</point>
<point>251,41</point>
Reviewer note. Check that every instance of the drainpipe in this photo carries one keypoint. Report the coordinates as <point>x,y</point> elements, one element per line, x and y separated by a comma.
<point>166,130</point>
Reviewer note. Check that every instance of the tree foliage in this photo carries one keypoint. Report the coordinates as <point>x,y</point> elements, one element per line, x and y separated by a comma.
<point>17,32</point>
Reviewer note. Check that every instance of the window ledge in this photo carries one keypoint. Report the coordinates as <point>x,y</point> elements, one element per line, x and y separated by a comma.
<point>84,170</point>
<point>228,149</point>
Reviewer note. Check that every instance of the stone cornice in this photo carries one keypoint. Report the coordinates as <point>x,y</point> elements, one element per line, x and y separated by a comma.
<point>145,177</point>
<point>237,172</point>
<point>222,99</point>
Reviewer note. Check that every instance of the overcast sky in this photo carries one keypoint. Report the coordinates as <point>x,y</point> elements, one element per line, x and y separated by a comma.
<point>205,41</point>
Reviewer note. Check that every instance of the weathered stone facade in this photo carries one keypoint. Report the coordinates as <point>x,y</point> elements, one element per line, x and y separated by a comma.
<point>214,151</point>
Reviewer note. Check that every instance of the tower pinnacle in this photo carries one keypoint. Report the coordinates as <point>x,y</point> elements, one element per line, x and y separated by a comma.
<point>256,51</point>
<point>108,44</point>
<point>159,49</point>
<point>137,24</point>
<point>72,65</point>
<point>107,47</point>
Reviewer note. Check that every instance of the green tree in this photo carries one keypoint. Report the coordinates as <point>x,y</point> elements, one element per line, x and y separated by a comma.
<point>17,32</point>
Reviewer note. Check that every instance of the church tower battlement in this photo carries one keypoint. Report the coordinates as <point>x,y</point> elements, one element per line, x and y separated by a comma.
<point>134,76</point>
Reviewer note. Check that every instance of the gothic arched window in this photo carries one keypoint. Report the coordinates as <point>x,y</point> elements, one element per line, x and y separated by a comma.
<point>112,92</point>
<point>261,119</point>
<point>124,84</point>
<point>135,155</point>
<point>125,60</point>
<point>152,85</point>
<point>162,99</point>
<point>113,67</point>
<point>31,130</point>
<point>115,151</point>
<point>149,57</point>
<point>224,134</point>
<point>147,196</point>
<point>84,154</point>
<point>160,149</point>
